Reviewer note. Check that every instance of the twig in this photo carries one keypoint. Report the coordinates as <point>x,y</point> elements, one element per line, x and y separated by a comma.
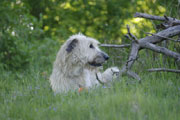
<point>163,70</point>
<point>131,35</point>
<point>116,46</point>
<point>128,37</point>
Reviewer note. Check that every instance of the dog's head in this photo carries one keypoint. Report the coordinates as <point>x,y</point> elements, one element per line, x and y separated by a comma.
<point>86,49</point>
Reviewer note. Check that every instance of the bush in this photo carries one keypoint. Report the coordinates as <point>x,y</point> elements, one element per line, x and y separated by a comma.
<point>18,31</point>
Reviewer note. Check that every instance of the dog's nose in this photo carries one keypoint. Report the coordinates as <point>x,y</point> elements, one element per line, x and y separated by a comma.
<point>106,57</point>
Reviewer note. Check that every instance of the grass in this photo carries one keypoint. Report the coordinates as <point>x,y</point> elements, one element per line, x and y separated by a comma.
<point>27,96</point>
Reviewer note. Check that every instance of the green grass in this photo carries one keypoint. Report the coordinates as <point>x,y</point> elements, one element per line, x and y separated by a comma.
<point>27,96</point>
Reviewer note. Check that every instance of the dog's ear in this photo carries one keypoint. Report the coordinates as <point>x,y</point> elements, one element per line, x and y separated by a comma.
<point>71,45</point>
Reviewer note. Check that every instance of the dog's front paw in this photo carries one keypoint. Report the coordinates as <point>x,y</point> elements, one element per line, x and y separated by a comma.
<point>115,70</point>
<point>110,74</point>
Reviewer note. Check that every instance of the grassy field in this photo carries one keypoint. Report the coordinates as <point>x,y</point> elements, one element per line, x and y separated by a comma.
<point>28,96</point>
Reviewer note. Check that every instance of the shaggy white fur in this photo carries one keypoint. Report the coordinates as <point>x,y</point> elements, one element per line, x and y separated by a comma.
<point>78,64</point>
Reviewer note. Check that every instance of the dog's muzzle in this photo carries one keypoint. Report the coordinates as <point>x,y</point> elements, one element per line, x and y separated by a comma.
<point>105,56</point>
<point>99,60</point>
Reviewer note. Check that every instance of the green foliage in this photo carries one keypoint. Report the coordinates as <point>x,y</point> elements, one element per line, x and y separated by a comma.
<point>104,20</point>
<point>18,31</point>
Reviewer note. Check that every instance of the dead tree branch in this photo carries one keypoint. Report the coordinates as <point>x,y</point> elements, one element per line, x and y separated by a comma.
<point>132,57</point>
<point>163,70</point>
<point>116,46</point>
<point>167,21</point>
<point>153,17</point>
<point>149,43</point>
<point>162,50</point>
<point>170,32</point>
<point>162,37</point>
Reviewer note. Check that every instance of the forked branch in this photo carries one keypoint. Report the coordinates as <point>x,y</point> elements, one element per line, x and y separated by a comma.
<point>149,42</point>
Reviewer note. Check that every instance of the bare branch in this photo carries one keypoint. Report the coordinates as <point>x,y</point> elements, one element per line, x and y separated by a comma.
<point>153,17</point>
<point>170,32</point>
<point>131,35</point>
<point>134,75</point>
<point>159,49</point>
<point>147,16</point>
<point>166,18</point>
<point>162,37</point>
<point>116,46</point>
<point>163,70</point>
<point>129,73</point>
<point>133,56</point>
<point>128,37</point>
<point>150,41</point>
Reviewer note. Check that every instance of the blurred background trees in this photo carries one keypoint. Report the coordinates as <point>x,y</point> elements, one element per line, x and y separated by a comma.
<point>33,30</point>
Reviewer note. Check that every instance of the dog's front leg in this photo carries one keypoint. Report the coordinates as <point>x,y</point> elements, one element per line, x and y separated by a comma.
<point>107,75</point>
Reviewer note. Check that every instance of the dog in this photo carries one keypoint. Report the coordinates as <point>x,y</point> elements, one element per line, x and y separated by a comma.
<point>78,64</point>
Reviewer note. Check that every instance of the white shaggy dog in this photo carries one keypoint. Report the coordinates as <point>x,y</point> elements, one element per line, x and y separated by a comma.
<point>77,65</point>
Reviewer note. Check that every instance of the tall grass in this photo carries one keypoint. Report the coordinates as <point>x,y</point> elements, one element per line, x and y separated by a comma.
<point>27,95</point>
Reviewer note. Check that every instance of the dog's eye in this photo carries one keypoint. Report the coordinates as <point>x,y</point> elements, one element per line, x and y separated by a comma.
<point>91,46</point>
